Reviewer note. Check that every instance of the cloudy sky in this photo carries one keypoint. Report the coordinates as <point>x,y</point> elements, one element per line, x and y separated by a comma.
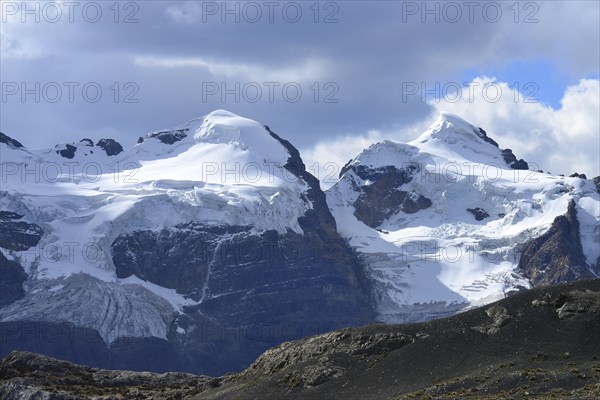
<point>332,77</point>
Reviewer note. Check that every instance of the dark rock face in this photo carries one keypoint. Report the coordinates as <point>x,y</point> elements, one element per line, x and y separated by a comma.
<point>597,183</point>
<point>19,235</point>
<point>110,146</point>
<point>87,142</point>
<point>521,164</point>
<point>345,168</point>
<point>483,135</point>
<point>12,277</point>
<point>12,143</point>
<point>507,154</point>
<point>557,255</point>
<point>576,175</point>
<point>9,215</point>
<point>168,137</point>
<point>374,214</point>
<point>479,213</point>
<point>512,161</point>
<point>389,174</point>
<point>383,197</point>
<point>68,151</point>
<point>178,258</point>
<point>319,216</point>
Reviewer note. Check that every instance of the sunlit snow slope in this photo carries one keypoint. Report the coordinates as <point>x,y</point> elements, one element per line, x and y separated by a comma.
<point>441,222</point>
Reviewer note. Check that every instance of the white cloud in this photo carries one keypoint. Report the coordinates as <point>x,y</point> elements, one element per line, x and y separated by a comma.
<point>310,70</point>
<point>15,45</point>
<point>564,140</point>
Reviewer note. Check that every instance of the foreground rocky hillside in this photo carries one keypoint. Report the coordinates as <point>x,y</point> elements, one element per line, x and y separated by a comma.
<point>540,344</point>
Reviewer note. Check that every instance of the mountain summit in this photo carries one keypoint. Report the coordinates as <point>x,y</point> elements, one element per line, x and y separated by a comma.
<point>455,138</point>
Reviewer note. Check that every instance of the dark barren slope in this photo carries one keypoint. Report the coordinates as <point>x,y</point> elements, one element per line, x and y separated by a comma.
<point>543,343</point>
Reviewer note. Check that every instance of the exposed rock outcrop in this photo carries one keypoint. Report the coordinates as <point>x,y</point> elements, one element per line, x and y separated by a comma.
<point>483,135</point>
<point>110,146</point>
<point>507,154</point>
<point>479,213</point>
<point>12,277</point>
<point>383,197</point>
<point>15,235</point>
<point>167,137</point>
<point>577,175</point>
<point>66,151</point>
<point>499,317</point>
<point>557,255</point>
<point>179,257</point>
<point>578,302</point>
<point>10,142</point>
<point>18,235</point>
<point>512,161</point>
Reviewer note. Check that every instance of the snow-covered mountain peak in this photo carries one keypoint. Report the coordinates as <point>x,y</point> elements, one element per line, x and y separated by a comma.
<point>218,137</point>
<point>222,126</point>
<point>450,139</point>
<point>453,138</point>
<point>449,119</point>
<point>450,127</point>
